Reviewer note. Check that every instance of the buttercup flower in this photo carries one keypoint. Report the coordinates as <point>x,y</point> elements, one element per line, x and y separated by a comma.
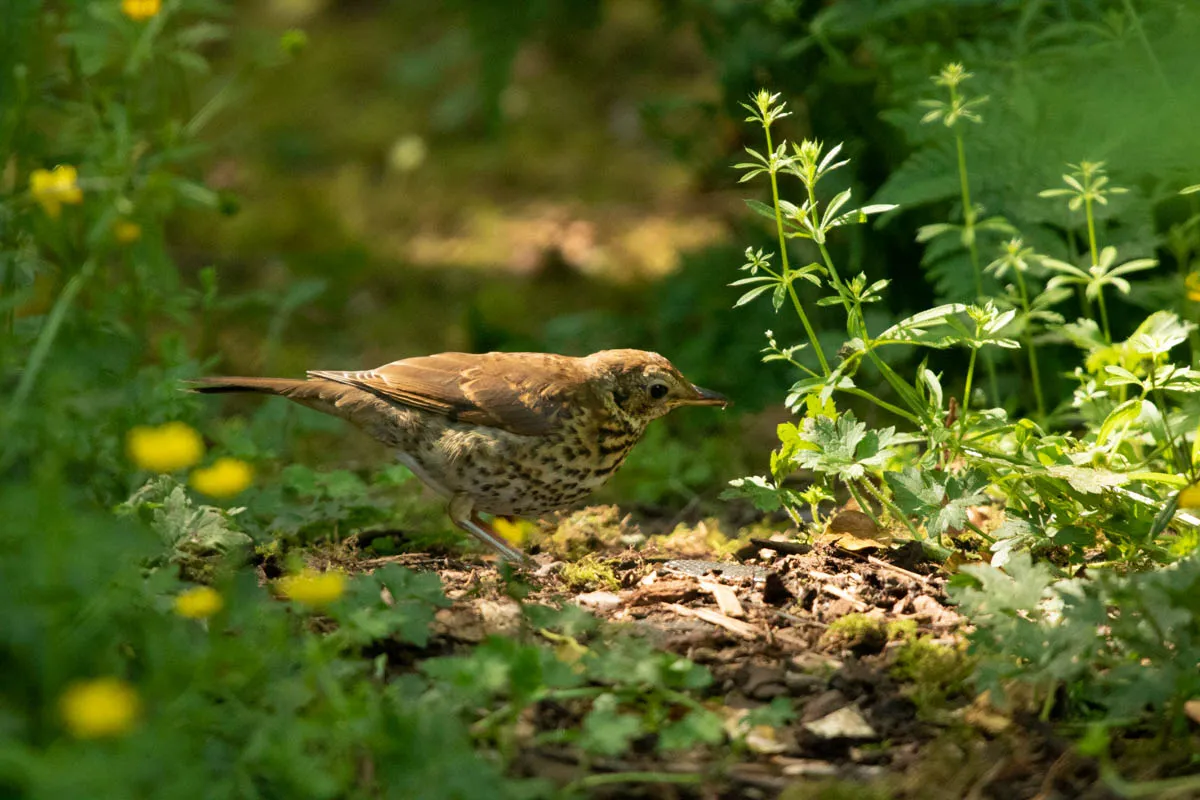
<point>200,602</point>
<point>99,708</point>
<point>165,448</point>
<point>513,531</point>
<point>140,10</point>
<point>127,232</point>
<point>313,588</point>
<point>225,478</point>
<point>54,188</point>
<point>1190,496</point>
<point>1192,284</point>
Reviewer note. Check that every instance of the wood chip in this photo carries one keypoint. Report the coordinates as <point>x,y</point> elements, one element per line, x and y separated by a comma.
<point>842,594</point>
<point>735,626</point>
<point>879,562</point>
<point>845,723</point>
<point>727,599</point>
<point>665,591</point>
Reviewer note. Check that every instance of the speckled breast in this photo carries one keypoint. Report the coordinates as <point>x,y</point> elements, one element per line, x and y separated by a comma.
<point>510,474</point>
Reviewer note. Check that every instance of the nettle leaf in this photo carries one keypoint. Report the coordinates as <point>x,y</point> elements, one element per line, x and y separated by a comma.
<point>843,447</point>
<point>938,498</point>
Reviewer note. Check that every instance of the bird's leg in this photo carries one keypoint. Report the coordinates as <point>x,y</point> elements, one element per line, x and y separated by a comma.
<point>462,513</point>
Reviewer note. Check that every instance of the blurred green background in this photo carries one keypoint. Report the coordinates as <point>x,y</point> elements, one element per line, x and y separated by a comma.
<point>380,180</point>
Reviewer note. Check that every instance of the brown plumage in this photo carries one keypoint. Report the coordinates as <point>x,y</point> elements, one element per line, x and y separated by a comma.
<point>516,434</point>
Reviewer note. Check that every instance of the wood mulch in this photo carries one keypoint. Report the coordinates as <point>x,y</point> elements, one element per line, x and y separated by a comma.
<point>761,624</point>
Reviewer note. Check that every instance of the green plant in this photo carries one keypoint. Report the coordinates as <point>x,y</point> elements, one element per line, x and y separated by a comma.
<point>1103,492</point>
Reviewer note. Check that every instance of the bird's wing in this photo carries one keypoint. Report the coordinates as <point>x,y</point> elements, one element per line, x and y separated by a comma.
<point>525,393</point>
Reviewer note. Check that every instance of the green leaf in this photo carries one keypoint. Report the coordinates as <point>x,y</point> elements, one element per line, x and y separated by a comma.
<point>700,726</point>
<point>606,731</point>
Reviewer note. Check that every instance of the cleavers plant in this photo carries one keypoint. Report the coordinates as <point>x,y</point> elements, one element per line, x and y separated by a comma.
<point>1091,481</point>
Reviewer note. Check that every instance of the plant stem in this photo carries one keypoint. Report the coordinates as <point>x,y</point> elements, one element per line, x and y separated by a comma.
<point>966,404</point>
<point>1031,349</point>
<point>46,338</point>
<point>972,245</point>
<point>783,255</point>
<point>864,506</point>
<point>968,211</point>
<point>893,510</point>
<point>1104,316</point>
<point>900,412</point>
<point>1172,446</point>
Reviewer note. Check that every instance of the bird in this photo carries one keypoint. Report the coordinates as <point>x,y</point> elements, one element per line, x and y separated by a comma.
<point>504,434</point>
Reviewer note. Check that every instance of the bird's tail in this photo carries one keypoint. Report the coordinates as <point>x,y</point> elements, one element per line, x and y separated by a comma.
<point>285,387</point>
<point>364,409</point>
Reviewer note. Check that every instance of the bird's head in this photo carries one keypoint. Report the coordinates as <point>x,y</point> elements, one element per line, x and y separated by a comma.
<point>644,386</point>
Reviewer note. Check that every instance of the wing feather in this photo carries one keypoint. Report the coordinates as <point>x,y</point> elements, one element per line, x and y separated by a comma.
<point>525,393</point>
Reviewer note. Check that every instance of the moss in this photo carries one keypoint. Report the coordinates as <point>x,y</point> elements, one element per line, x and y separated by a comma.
<point>705,538</point>
<point>590,574</point>
<point>901,630</point>
<point>934,673</point>
<point>859,633</point>
<point>585,531</point>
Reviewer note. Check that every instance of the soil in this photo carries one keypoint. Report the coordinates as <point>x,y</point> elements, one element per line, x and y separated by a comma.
<point>764,622</point>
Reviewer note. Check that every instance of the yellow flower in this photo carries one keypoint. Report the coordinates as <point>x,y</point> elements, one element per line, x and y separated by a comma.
<point>140,10</point>
<point>1192,284</point>
<point>200,602</point>
<point>165,448</point>
<point>100,707</point>
<point>313,588</point>
<point>127,232</point>
<point>1190,496</point>
<point>53,188</point>
<point>515,531</point>
<point>225,478</point>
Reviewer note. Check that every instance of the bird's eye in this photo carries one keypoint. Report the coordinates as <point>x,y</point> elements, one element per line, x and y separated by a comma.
<point>658,390</point>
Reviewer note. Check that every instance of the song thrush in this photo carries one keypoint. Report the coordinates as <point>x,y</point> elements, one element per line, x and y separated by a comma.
<point>518,434</point>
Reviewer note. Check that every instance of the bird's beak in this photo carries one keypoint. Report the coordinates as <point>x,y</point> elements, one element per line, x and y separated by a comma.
<point>706,397</point>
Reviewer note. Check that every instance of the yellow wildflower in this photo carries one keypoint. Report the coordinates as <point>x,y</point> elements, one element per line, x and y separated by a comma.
<point>140,10</point>
<point>100,707</point>
<point>126,231</point>
<point>1190,496</point>
<point>165,448</point>
<point>1192,284</point>
<point>225,478</point>
<point>514,531</point>
<point>53,188</point>
<point>313,588</point>
<point>200,602</point>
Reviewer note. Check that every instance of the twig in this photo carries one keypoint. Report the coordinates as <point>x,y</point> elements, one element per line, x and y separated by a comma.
<point>798,620</point>
<point>879,562</point>
<point>726,599</point>
<point>730,624</point>
<point>829,588</point>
